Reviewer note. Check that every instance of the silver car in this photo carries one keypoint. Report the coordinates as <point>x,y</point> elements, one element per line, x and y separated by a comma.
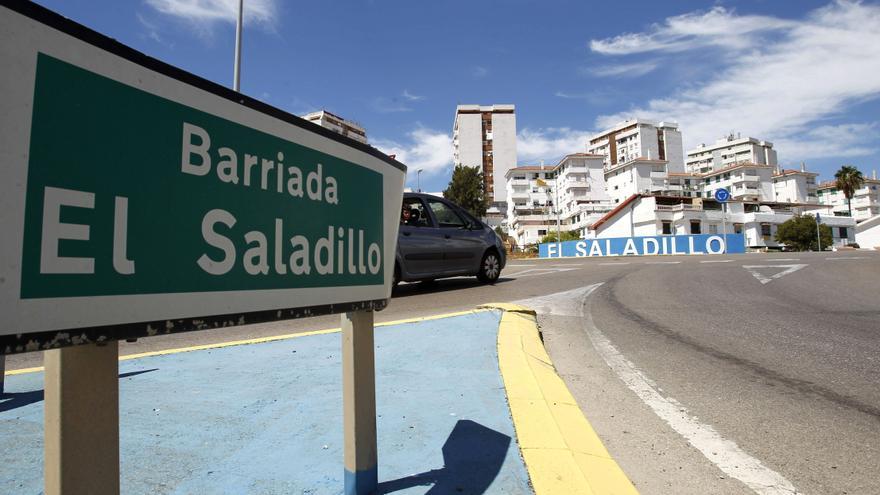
<point>439,239</point>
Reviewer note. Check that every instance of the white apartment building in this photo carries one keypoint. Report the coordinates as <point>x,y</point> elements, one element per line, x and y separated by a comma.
<point>865,201</point>
<point>576,186</point>
<point>637,176</point>
<point>651,215</point>
<point>639,139</point>
<point>338,125</point>
<point>745,181</point>
<point>729,151</point>
<point>485,137</point>
<point>795,186</point>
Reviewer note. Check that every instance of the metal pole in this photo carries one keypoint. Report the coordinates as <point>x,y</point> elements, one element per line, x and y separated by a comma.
<point>236,75</point>
<point>724,225</point>
<point>419,180</point>
<point>2,372</point>
<point>556,206</point>
<point>818,235</point>
<point>81,420</point>
<point>359,403</point>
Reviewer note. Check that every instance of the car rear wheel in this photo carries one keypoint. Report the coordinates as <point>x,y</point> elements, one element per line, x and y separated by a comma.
<point>490,267</point>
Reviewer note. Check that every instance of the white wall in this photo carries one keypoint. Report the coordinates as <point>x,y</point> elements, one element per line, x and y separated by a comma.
<point>470,144</point>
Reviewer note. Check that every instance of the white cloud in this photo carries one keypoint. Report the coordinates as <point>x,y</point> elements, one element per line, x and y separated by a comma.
<point>479,72</point>
<point>783,90</point>
<point>207,12</point>
<point>425,149</point>
<point>549,144</point>
<point>411,97</point>
<point>718,26</point>
<point>637,69</point>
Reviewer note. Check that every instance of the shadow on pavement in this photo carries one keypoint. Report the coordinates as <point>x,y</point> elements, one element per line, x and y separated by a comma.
<point>14,400</point>
<point>472,457</point>
<point>443,285</point>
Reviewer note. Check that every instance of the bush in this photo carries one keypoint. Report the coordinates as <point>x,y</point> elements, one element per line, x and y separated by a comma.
<point>566,235</point>
<point>799,234</point>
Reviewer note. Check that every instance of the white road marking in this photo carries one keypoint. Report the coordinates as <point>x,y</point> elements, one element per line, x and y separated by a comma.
<point>616,263</point>
<point>773,260</point>
<point>725,454</point>
<point>539,271</point>
<point>753,269</point>
<point>716,261</point>
<point>662,262</point>
<point>849,258</point>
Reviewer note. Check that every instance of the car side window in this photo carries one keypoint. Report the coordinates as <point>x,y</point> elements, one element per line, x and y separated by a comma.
<point>446,216</point>
<point>414,214</point>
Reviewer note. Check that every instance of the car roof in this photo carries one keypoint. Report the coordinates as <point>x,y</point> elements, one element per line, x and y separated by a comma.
<point>420,195</point>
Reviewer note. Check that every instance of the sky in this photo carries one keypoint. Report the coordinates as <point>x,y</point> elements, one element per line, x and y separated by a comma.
<point>802,74</point>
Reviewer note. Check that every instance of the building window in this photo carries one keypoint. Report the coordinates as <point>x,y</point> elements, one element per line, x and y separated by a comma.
<point>667,227</point>
<point>542,232</point>
<point>765,229</point>
<point>843,233</point>
<point>737,228</point>
<point>695,227</point>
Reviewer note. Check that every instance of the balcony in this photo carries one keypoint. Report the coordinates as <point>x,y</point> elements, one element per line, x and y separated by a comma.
<point>681,207</point>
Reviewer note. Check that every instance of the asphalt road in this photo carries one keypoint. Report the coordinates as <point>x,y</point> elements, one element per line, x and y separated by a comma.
<point>753,373</point>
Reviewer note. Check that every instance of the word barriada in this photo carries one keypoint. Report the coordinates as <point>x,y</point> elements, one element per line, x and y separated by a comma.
<point>346,256</point>
<point>269,173</point>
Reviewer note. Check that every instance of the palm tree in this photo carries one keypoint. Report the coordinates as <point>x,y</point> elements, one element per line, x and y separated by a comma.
<point>849,180</point>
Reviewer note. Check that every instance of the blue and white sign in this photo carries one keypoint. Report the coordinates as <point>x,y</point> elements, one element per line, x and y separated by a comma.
<point>645,246</point>
<point>722,195</point>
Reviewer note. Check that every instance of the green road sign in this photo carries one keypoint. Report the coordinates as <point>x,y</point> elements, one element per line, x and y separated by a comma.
<point>141,199</point>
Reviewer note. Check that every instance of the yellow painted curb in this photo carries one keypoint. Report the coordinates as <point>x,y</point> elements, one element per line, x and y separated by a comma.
<point>562,452</point>
<point>261,340</point>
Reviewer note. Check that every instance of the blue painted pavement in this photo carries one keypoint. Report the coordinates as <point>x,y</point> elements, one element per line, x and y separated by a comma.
<point>267,418</point>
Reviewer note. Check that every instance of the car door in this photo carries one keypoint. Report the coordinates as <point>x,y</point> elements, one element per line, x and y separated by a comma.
<point>420,242</point>
<point>459,253</point>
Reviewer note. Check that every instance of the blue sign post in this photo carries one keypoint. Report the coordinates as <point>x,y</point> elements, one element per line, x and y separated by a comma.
<point>722,195</point>
<point>818,231</point>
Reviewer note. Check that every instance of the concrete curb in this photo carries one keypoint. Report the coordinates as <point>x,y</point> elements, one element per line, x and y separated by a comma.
<point>562,452</point>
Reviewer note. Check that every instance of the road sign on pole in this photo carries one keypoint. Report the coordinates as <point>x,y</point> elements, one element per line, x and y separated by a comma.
<point>138,199</point>
<point>722,195</point>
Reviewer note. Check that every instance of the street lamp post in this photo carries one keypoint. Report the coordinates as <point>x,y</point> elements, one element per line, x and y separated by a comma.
<point>236,70</point>
<point>419,180</point>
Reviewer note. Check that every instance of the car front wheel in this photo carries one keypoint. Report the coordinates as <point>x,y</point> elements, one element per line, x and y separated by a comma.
<point>490,268</point>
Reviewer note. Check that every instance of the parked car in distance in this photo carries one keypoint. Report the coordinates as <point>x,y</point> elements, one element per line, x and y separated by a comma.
<point>438,239</point>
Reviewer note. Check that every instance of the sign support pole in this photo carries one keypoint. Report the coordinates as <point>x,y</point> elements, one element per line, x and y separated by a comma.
<point>724,225</point>
<point>2,372</point>
<point>359,403</point>
<point>81,421</point>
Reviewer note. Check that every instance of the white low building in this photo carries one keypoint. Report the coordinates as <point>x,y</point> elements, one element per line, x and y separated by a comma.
<point>652,215</point>
<point>638,176</point>
<point>728,151</point>
<point>868,233</point>
<point>795,186</point>
<point>575,186</point>
<point>339,125</point>
<point>865,201</point>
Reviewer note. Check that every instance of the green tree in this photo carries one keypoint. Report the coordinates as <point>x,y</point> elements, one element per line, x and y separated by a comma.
<point>849,180</point>
<point>799,233</point>
<point>466,190</point>
<point>566,235</point>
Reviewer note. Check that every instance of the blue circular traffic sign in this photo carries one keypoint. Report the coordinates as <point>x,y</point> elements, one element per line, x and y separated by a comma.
<point>722,195</point>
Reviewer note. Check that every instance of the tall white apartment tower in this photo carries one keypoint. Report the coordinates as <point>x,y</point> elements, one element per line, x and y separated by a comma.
<point>485,137</point>
<point>639,139</point>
